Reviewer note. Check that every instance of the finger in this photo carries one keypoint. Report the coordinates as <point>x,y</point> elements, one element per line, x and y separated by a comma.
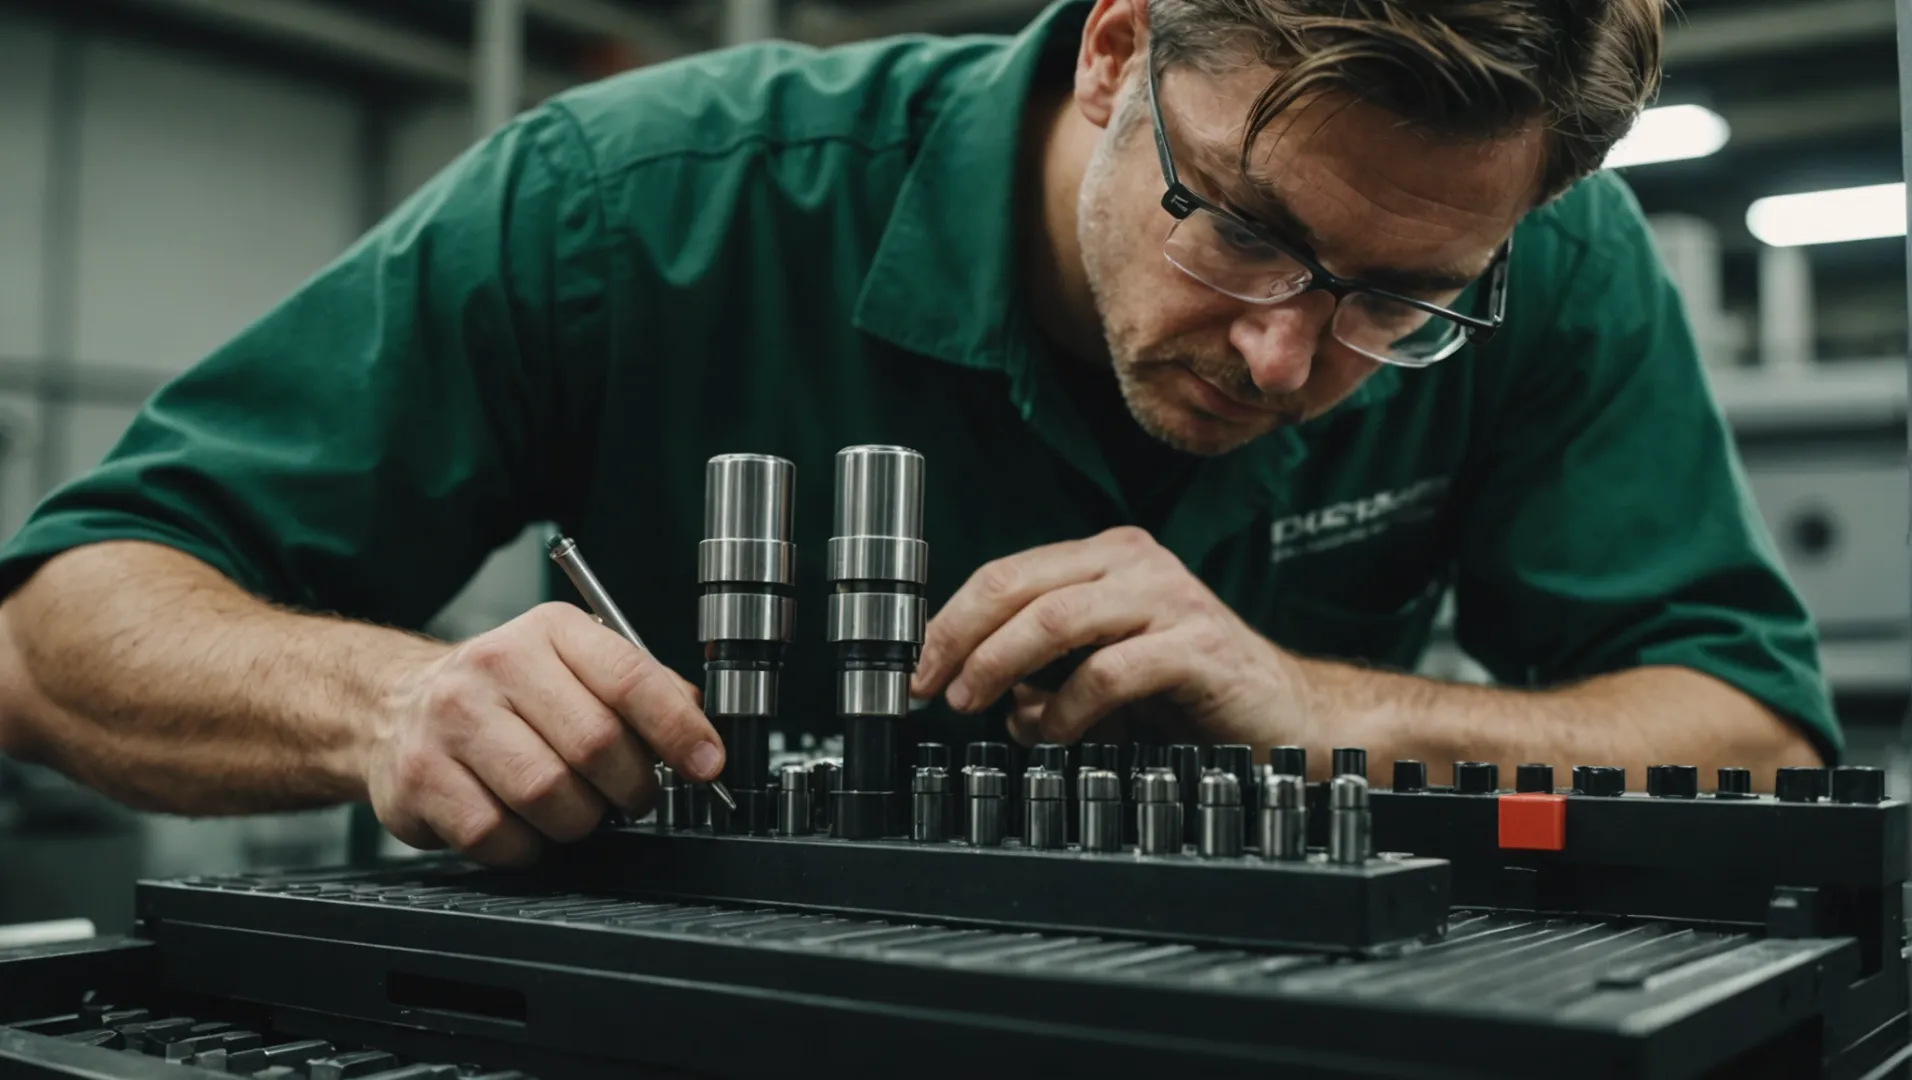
<point>1029,700</point>
<point>1023,719</point>
<point>583,730</point>
<point>1117,675</point>
<point>1046,629</point>
<point>1023,730</point>
<point>1001,588</point>
<point>396,792</point>
<point>410,829</point>
<point>463,814</point>
<point>650,697</point>
<point>529,777</point>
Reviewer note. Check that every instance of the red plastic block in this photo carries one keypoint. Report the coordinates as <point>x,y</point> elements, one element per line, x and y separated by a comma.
<point>1533,822</point>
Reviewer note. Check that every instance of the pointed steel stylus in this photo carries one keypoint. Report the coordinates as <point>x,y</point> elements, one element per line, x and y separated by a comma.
<point>564,552</point>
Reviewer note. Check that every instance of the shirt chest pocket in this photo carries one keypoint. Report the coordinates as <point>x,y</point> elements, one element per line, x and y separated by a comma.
<point>1310,625</point>
<point>1368,592</point>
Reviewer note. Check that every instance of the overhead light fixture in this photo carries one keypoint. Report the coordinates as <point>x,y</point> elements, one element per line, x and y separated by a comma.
<point>1829,217</point>
<point>1671,133</point>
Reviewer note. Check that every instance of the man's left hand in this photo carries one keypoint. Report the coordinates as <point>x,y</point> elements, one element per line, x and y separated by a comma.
<point>1159,636</point>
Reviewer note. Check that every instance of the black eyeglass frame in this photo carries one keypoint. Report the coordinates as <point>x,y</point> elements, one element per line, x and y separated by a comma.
<point>1180,202</point>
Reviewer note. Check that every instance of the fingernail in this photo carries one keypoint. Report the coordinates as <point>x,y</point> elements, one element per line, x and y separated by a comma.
<point>706,760</point>
<point>958,696</point>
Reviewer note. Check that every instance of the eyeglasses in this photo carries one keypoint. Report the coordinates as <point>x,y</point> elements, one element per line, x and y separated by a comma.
<point>1240,259</point>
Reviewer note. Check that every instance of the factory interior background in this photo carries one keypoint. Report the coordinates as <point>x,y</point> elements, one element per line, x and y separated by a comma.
<point>169,169</point>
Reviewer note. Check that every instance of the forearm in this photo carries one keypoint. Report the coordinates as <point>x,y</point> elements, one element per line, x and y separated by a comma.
<point>147,675</point>
<point>1632,719</point>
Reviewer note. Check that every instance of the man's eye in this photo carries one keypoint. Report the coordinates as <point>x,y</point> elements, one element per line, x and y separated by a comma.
<point>1388,314</point>
<point>1241,240</point>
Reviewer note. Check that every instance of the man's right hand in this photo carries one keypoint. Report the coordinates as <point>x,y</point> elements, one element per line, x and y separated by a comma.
<point>531,730</point>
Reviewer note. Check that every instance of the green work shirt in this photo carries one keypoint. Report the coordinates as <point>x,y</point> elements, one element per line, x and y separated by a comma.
<point>773,249</point>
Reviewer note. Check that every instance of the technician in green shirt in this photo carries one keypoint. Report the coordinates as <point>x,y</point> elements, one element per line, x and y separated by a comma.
<point>1236,333</point>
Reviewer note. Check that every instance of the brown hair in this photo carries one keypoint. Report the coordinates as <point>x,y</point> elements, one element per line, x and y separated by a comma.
<point>1451,68</point>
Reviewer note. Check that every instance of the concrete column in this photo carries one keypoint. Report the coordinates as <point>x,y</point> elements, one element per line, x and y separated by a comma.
<point>749,20</point>
<point>1689,246</point>
<point>497,77</point>
<point>1785,309</point>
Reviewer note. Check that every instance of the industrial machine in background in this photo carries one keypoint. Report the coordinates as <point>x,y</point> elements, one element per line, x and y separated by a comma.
<point>1825,455</point>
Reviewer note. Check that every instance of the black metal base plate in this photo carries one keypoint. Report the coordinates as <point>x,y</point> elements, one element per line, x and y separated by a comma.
<point>739,991</point>
<point>1387,903</point>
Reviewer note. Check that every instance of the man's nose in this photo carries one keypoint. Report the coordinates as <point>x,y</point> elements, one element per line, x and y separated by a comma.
<point>1279,341</point>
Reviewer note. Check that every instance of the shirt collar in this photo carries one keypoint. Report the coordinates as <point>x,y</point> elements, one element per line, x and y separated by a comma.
<point>943,280</point>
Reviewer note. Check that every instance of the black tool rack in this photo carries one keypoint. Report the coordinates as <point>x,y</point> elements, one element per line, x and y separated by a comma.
<point>1796,870</point>
<point>1380,905</point>
<point>1831,868</point>
<point>103,1010</point>
<point>725,989</point>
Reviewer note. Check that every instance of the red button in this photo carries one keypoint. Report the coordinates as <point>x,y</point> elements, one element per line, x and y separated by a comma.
<point>1533,822</point>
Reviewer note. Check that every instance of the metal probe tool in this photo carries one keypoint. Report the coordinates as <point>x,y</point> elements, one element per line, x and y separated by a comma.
<point>564,552</point>
<point>746,575</point>
<point>878,565</point>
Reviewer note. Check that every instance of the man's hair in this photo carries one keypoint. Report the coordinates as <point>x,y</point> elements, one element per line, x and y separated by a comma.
<point>1460,69</point>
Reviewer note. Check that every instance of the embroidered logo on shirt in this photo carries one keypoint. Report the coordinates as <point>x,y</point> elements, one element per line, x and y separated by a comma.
<point>1348,522</point>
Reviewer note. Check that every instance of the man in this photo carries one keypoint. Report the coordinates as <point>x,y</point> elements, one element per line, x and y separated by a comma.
<point>1235,334</point>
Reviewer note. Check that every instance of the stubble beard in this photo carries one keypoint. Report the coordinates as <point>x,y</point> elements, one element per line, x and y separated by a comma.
<point>1099,243</point>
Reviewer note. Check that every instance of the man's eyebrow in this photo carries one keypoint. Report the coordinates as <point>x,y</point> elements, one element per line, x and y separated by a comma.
<point>1416,281</point>
<point>1271,212</point>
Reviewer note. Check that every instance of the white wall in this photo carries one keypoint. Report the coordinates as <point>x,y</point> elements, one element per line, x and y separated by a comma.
<point>25,86</point>
<point>425,138</point>
<point>202,196</point>
<point>19,436</point>
<point>26,74</point>
<point>205,196</point>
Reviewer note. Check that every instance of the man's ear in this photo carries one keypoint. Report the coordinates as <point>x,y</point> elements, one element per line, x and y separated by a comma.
<point>1112,40</point>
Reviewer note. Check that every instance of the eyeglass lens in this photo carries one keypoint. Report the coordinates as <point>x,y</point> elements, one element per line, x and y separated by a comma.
<point>1230,259</point>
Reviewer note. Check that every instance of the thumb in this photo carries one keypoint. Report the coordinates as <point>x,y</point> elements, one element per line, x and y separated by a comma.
<point>1025,716</point>
<point>692,691</point>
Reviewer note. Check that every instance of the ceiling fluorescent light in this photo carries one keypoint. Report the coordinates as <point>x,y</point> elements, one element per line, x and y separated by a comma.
<point>1829,217</point>
<point>1671,133</point>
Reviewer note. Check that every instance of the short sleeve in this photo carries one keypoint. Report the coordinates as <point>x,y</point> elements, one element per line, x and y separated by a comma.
<point>367,443</point>
<point>1608,524</point>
